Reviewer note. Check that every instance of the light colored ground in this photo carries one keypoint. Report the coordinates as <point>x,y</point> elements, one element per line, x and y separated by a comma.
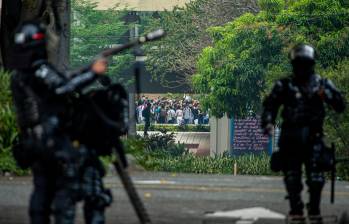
<point>142,5</point>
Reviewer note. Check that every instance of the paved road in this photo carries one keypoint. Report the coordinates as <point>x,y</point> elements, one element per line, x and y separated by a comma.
<point>175,198</point>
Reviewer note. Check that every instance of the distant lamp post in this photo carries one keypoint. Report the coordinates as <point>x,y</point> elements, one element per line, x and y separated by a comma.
<point>134,96</point>
<point>140,58</point>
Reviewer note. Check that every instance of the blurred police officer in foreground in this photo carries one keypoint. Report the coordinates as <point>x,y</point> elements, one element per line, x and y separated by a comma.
<point>41,97</point>
<point>302,96</point>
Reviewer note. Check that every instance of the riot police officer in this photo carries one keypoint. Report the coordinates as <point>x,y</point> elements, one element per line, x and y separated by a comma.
<point>303,96</point>
<point>62,167</point>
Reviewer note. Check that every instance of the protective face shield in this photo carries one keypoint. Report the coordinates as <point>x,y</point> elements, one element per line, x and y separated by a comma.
<point>29,45</point>
<point>303,61</point>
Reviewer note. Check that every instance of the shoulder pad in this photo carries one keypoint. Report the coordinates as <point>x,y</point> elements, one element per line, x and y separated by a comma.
<point>49,75</point>
<point>285,81</point>
<point>329,84</point>
<point>42,71</point>
<point>280,84</point>
<point>317,77</point>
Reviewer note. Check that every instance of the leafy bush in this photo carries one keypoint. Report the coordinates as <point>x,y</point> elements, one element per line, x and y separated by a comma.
<point>163,144</point>
<point>160,153</point>
<point>252,51</point>
<point>8,164</point>
<point>5,96</point>
<point>156,156</point>
<point>189,163</point>
<point>175,128</point>
<point>271,6</point>
<point>8,127</point>
<point>343,171</point>
<point>160,144</point>
<point>8,130</point>
<point>93,30</point>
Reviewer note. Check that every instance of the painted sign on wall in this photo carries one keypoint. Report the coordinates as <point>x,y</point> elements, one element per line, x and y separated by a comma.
<point>247,137</point>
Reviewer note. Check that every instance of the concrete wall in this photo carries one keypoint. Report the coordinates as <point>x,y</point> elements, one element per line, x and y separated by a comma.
<point>220,135</point>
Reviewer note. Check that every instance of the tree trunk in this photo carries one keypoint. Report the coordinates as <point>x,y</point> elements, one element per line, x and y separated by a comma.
<point>10,18</point>
<point>54,13</point>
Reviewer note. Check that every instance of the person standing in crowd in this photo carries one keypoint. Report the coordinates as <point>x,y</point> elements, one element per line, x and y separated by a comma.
<point>302,96</point>
<point>157,110</point>
<point>191,114</point>
<point>171,116</point>
<point>187,114</point>
<point>179,115</point>
<point>163,115</point>
<point>206,118</point>
<point>171,111</point>
<point>200,116</point>
<point>139,113</point>
<point>146,115</point>
<point>195,111</point>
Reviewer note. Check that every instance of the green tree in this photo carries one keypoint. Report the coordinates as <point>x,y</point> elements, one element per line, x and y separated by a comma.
<point>187,36</point>
<point>337,127</point>
<point>249,53</point>
<point>94,30</point>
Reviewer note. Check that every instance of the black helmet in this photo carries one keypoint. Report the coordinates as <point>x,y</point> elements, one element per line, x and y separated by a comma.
<point>30,35</point>
<point>302,58</point>
<point>303,52</point>
<point>29,45</point>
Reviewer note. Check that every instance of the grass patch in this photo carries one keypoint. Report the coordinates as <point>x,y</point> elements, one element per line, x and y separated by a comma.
<point>189,163</point>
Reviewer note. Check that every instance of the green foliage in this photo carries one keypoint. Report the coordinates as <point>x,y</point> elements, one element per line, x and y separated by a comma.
<point>8,163</point>
<point>94,30</point>
<point>271,6</point>
<point>249,53</point>
<point>343,171</point>
<point>180,161</point>
<point>5,96</point>
<point>163,144</point>
<point>232,72</point>
<point>134,146</point>
<point>186,36</point>
<point>8,127</point>
<point>337,126</point>
<point>189,163</point>
<point>175,128</point>
<point>160,153</point>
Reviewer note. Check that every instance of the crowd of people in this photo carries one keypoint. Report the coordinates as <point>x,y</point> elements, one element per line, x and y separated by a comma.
<point>162,110</point>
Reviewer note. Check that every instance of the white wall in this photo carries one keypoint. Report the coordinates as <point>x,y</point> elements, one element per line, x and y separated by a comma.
<point>220,135</point>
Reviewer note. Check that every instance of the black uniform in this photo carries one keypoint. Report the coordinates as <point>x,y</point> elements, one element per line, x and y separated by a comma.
<point>146,114</point>
<point>64,171</point>
<point>302,96</point>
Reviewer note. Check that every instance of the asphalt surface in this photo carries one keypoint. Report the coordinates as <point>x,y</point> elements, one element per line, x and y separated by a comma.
<point>176,198</point>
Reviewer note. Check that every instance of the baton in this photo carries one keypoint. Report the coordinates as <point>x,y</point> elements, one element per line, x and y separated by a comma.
<point>131,191</point>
